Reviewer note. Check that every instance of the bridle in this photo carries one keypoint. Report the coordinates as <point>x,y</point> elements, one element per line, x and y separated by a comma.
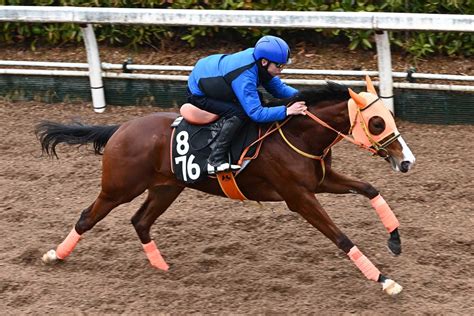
<point>377,148</point>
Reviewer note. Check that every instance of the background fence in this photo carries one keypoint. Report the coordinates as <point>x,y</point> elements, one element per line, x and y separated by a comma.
<point>11,84</point>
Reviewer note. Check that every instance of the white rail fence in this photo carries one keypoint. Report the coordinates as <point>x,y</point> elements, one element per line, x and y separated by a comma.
<point>379,22</point>
<point>108,68</point>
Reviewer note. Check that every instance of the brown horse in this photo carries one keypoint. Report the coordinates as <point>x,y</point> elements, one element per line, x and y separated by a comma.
<point>136,157</point>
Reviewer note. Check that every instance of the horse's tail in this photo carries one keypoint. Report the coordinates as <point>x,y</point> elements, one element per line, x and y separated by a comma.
<point>50,134</point>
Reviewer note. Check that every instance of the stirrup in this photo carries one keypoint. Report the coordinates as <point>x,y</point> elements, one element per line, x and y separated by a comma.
<point>222,167</point>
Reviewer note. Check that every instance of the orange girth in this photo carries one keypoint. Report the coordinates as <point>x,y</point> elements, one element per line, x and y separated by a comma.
<point>229,186</point>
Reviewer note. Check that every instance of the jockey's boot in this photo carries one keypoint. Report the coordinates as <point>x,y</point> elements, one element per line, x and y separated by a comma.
<point>219,158</point>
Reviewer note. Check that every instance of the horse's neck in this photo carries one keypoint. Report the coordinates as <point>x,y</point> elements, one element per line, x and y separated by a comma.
<point>336,115</point>
<point>316,136</point>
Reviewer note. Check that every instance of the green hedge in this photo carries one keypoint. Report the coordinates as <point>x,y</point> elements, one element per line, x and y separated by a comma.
<point>419,44</point>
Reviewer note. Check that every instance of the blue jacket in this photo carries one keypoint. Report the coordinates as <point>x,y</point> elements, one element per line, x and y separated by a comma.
<point>235,78</point>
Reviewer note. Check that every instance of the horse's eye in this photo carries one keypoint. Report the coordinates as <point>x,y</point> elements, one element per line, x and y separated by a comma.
<point>376,125</point>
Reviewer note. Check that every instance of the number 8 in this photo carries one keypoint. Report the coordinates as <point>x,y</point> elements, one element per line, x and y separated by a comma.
<point>182,145</point>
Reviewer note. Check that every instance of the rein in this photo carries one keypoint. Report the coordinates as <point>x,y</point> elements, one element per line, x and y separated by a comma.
<point>341,135</point>
<point>269,131</point>
<point>327,149</point>
<point>375,149</point>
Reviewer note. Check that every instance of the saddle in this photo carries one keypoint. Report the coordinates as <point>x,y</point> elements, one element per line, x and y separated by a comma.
<point>193,138</point>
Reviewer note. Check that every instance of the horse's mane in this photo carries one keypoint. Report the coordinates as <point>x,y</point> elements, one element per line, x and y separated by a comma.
<point>331,91</point>
<point>312,96</point>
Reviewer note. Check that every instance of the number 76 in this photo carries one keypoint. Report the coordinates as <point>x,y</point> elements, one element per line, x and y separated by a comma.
<point>188,168</point>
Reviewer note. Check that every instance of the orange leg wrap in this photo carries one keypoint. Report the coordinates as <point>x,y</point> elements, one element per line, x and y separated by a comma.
<point>385,213</point>
<point>67,246</point>
<point>364,264</point>
<point>154,256</point>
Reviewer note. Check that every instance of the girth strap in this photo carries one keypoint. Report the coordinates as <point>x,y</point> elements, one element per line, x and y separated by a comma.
<point>229,186</point>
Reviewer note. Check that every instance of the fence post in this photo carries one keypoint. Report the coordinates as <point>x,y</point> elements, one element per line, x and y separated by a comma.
<point>95,71</point>
<point>384,60</point>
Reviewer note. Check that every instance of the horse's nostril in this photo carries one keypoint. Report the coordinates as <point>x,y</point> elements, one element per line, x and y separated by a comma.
<point>405,165</point>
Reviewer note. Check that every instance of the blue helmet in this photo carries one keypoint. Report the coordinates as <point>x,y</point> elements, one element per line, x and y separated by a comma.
<point>273,49</point>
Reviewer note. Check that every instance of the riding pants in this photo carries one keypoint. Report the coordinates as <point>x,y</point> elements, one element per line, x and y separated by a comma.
<point>225,109</point>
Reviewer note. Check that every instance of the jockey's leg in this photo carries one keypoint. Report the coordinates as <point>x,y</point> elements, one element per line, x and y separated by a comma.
<point>340,184</point>
<point>234,117</point>
<point>219,157</point>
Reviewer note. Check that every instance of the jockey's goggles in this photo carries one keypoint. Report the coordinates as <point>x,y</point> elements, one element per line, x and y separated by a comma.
<point>281,65</point>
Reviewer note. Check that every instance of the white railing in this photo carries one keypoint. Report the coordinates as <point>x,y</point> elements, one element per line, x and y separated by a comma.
<point>287,71</point>
<point>109,68</point>
<point>241,18</point>
<point>380,22</point>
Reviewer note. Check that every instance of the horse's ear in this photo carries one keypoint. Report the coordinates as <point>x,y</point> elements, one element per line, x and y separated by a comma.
<point>370,85</point>
<point>360,101</point>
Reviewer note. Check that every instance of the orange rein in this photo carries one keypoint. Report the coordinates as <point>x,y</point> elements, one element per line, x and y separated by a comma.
<point>279,126</point>
<point>327,149</point>
<point>350,139</point>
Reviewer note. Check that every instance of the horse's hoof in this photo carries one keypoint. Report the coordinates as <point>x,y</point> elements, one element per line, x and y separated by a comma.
<point>50,257</point>
<point>391,287</point>
<point>395,247</point>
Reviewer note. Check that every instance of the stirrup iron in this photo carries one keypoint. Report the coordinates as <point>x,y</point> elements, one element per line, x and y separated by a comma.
<point>223,167</point>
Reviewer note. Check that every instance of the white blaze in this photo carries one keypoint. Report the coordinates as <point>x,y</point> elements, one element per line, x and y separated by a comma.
<point>407,154</point>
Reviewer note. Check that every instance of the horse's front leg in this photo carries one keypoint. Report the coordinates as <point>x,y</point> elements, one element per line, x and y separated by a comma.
<point>306,204</point>
<point>340,184</point>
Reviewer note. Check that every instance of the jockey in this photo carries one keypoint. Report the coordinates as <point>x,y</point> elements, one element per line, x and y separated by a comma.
<point>226,85</point>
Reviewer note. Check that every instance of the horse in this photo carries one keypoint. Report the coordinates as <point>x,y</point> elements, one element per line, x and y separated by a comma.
<point>293,166</point>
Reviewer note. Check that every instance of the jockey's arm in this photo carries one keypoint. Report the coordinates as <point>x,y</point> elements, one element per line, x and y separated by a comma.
<point>278,89</point>
<point>245,89</point>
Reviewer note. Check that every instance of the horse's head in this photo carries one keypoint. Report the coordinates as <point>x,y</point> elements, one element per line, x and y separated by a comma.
<point>373,125</point>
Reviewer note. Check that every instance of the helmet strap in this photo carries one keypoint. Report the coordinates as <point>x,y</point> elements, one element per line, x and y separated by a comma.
<point>263,73</point>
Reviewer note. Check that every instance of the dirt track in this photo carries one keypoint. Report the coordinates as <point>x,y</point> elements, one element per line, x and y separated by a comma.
<point>225,256</point>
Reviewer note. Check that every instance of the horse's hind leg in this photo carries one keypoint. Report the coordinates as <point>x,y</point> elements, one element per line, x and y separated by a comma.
<point>158,200</point>
<point>89,217</point>
<point>340,184</point>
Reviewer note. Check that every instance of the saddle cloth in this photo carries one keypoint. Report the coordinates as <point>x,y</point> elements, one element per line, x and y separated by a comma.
<point>191,146</point>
